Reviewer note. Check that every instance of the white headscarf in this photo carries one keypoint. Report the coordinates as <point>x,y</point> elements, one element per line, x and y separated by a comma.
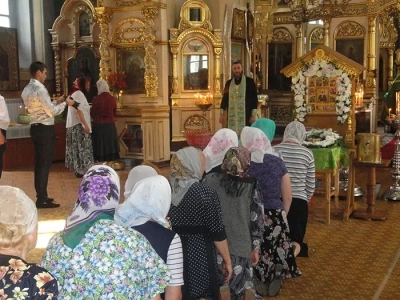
<point>256,142</point>
<point>150,199</point>
<point>185,170</point>
<point>17,208</point>
<point>136,174</point>
<point>102,86</point>
<point>295,132</point>
<point>221,141</point>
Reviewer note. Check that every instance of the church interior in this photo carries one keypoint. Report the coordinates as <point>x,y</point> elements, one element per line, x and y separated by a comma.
<point>331,64</point>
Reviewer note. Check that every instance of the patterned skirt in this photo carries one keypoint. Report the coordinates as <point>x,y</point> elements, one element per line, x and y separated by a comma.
<point>276,247</point>
<point>79,151</point>
<point>241,279</point>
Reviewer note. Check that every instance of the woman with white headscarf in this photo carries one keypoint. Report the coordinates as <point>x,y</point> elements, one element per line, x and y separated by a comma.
<point>95,258</point>
<point>196,216</point>
<point>146,210</point>
<point>300,164</point>
<point>216,148</point>
<point>277,260</point>
<point>135,175</point>
<point>104,133</point>
<point>18,236</point>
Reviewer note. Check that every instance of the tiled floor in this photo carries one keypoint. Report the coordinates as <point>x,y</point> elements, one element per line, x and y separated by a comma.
<point>353,259</point>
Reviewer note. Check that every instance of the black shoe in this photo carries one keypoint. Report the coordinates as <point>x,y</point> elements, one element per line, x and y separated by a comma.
<point>46,205</point>
<point>275,285</point>
<point>77,175</point>
<point>50,199</point>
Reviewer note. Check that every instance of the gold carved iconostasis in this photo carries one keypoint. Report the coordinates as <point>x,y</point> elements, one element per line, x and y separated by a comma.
<point>196,50</point>
<point>364,32</point>
<point>119,37</point>
<point>322,79</point>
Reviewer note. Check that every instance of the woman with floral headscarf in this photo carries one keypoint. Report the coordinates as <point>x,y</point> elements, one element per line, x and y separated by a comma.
<point>195,215</point>
<point>93,257</point>
<point>300,164</point>
<point>216,148</point>
<point>242,215</point>
<point>145,210</point>
<point>277,259</point>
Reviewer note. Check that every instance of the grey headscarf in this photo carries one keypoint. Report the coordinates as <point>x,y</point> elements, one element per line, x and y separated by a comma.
<point>295,132</point>
<point>185,170</point>
<point>102,86</point>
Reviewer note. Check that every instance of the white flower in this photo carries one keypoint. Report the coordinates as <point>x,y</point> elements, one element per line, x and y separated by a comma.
<point>322,69</point>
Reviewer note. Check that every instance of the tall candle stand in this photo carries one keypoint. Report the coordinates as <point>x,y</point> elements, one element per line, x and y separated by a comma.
<point>204,102</point>
<point>393,193</point>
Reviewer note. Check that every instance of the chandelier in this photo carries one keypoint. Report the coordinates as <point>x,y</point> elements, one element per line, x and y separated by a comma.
<point>309,10</point>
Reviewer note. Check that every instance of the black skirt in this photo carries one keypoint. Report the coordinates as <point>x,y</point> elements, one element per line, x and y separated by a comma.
<point>105,142</point>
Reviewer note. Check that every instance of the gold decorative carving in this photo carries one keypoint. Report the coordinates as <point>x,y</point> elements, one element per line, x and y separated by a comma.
<point>349,29</point>
<point>129,112</point>
<point>125,29</point>
<point>74,25</point>
<point>195,13</point>
<point>103,16</point>
<point>129,2</point>
<point>150,58</point>
<point>281,114</point>
<point>317,35</point>
<point>57,60</point>
<point>281,35</point>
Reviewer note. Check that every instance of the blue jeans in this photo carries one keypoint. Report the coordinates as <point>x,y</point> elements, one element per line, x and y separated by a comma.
<point>44,141</point>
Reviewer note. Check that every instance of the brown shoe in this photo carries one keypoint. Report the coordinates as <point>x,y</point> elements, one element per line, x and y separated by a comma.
<point>249,294</point>
<point>224,293</point>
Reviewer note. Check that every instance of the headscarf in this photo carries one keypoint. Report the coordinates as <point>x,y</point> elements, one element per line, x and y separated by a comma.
<point>150,199</point>
<point>236,162</point>
<point>136,174</point>
<point>267,126</point>
<point>17,208</point>
<point>295,132</point>
<point>98,198</point>
<point>102,86</point>
<point>221,141</point>
<point>185,170</point>
<point>256,142</point>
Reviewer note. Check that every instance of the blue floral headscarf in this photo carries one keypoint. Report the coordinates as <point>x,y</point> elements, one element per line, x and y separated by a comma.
<point>98,197</point>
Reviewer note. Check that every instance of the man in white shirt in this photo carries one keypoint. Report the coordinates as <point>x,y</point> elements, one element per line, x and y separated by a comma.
<point>42,110</point>
<point>4,121</point>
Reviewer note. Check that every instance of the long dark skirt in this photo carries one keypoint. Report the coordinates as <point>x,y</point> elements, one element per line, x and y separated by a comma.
<point>79,152</point>
<point>276,247</point>
<point>105,142</point>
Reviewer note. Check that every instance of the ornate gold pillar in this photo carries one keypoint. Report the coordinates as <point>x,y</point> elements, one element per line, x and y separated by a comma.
<point>327,22</point>
<point>299,40</point>
<point>103,16</point>
<point>150,59</point>
<point>390,64</point>
<point>57,67</point>
<point>370,86</point>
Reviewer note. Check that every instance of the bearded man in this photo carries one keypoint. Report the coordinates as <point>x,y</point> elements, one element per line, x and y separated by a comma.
<point>239,102</point>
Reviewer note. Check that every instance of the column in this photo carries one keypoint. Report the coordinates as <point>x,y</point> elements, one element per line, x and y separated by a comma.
<point>299,40</point>
<point>390,64</point>
<point>150,74</point>
<point>370,86</point>
<point>102,17</point>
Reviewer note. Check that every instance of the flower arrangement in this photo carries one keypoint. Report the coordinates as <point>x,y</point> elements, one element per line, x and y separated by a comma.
<point>117,82</point>
<point>322,68</point>
<point>322,138</point>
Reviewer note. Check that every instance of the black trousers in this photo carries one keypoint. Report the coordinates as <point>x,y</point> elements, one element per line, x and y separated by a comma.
<point>44,141</point>
<point>297,219</point>
<point>2,150</point>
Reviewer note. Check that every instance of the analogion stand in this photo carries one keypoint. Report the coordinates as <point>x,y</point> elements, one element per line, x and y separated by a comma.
<point>371,213</point>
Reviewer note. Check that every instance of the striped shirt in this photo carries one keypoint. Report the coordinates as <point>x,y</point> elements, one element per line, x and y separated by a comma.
<point>175,261</point>
<point>299,162</point>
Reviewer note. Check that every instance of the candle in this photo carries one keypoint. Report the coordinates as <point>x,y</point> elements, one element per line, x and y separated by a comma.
<point>389,111</point>
<point>398,103</point>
